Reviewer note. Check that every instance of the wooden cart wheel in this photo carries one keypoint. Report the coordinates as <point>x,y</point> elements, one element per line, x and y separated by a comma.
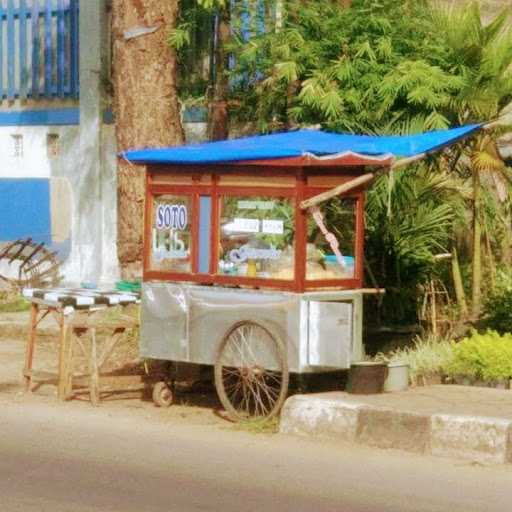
<point>25,263</point>
<point>251,371</point>
<point>162,394</point>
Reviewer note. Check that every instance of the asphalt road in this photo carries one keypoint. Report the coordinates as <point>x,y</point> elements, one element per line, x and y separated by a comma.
<point>60,458</point>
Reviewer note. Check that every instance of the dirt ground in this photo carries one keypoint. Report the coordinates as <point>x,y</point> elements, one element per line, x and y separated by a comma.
<point>198,406</point>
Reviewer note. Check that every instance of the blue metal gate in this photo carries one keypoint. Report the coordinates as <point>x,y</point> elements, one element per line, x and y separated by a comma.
<point>39,49</point>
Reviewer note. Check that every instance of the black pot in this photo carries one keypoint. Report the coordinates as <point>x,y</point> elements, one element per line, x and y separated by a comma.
<point>367,378</point>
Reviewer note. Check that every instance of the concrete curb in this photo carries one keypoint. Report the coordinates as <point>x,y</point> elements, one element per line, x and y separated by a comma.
<point>486,440</point>
<point>480,439</point>
<point>303,415</point>
<point>386,428</point>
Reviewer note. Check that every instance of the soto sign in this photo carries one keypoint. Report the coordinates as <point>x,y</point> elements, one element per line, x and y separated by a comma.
<point>171,216</point>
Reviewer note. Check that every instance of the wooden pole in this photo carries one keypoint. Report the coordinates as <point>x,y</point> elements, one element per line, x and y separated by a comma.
<point>372,291</point>
<point>406,161</point>
<point>336,191</point>
<point>356,182</point>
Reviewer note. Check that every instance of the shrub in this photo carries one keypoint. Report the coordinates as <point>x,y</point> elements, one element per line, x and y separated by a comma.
<point>485,356</point>
<point>498,310</point>
<point>13,305</point>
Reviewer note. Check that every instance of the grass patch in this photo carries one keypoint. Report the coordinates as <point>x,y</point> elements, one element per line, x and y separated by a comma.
<point>15,306</point>
<point>259,425</point>
<point>428,356</point>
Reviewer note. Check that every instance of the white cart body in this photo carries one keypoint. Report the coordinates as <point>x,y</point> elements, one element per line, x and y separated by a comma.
<point>321,331</point>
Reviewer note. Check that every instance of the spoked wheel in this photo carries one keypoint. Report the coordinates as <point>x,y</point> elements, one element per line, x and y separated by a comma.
<point>251,372</point>
<point>27,263</point>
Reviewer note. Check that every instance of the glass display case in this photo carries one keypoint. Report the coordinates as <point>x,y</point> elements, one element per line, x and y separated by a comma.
<point>235,227</point>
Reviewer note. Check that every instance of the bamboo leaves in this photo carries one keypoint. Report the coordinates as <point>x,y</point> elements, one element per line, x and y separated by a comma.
<point>331,65</point>
<point>179,37</point>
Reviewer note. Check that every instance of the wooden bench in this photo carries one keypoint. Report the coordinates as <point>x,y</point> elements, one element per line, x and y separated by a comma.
<point>81,314</point>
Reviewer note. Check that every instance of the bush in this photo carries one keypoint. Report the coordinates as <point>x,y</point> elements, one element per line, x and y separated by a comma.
<point>498,311</point>
<point>485,356</point>
<point>15,305</point>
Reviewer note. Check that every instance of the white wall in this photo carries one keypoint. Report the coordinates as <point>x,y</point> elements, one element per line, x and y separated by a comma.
<point>93,223</point>
<point>35,162</point>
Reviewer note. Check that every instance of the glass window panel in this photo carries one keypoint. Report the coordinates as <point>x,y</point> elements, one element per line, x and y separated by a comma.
<point>257,237</point>
<point>330,252</point>
<point>205,233</point>
<point>171,234</point>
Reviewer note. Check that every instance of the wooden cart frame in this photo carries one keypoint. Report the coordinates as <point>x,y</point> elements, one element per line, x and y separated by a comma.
<point>298,184</point>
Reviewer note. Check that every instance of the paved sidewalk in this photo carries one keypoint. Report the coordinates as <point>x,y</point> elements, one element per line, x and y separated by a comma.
<point>454,421</point>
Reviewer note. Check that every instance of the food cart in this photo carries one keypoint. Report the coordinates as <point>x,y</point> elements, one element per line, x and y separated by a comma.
<point>253,255</point>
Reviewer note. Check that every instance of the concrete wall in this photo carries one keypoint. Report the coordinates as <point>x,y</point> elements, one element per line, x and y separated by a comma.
<point>36,193</point>
<point>93,186</point>
<point>80,203</point>
<point>94,256</point>
<point>35,161</point>
<point>81,217</point>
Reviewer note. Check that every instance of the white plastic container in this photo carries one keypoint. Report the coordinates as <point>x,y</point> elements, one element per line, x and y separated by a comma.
<point>398,377</point>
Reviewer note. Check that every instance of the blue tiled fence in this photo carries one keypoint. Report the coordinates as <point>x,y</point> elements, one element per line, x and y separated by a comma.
<point>38,49</point>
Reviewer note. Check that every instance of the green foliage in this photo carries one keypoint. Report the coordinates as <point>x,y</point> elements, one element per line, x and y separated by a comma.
<point>498,307</point>
<point>258,425</point>
<point>409,218</point>
<point>427,356</point>
<point>392,66</point>
<point>375,67</point>
<point>483,356</point>
<point>481,55</point>
<point>192,39</point>
<point>14,306</point>
<point>341,67</point>
<point>179,37</point>
<point>210,4</point>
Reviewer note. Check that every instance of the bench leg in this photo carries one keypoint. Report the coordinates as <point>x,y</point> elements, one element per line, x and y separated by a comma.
<point>68,391</point>
<point>94,386</point>
<point>29,354</point>
<point>63,357</point>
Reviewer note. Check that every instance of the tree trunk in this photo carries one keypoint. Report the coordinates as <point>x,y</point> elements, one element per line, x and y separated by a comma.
<point>477,246</point>
<point>218,119</point>
<point>146,108</point>
<point>506,239</point>
<point>457,283</point>
<point>491,265</point>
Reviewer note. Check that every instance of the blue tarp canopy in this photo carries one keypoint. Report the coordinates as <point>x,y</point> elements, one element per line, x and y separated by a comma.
<point>301,143</point>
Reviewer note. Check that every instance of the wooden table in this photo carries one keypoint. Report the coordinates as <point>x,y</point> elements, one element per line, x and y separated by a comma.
<point>78,313</point>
